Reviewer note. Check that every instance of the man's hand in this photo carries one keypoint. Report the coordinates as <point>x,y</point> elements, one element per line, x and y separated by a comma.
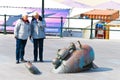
<point>30,37</point>
<point>15,37</point>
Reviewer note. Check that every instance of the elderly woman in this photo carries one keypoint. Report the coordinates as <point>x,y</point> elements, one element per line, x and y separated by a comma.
<point>22,32</point>
<point>38,35</point>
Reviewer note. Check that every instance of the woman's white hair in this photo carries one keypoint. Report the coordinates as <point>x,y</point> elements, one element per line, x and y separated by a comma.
<point>24,14</point>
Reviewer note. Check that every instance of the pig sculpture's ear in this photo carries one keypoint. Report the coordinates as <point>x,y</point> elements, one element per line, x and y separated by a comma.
<point>72,46</point>
<point>80,45</point>
<point>59,50</point>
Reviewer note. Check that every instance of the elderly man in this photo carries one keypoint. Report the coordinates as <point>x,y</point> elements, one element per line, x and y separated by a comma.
<point>38,35</point>
<point>21,32</point>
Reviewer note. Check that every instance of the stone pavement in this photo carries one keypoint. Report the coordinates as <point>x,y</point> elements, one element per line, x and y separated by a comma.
<point>107,58</point>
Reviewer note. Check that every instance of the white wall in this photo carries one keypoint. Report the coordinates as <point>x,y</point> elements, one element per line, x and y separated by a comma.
<point>114,34</point>
<point>81,23</point>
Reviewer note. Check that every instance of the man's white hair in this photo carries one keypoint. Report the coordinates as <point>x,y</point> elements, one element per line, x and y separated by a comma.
<point>35,13</point>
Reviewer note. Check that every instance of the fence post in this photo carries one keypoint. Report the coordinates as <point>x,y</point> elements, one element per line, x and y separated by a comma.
<point>68,23</point>
<point>43,3</point>
<point>61,28</point>
<point>91,33</point>
<point>5,23</point>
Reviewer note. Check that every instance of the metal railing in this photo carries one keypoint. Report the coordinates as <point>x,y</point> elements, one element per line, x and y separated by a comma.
<point>61,21</point>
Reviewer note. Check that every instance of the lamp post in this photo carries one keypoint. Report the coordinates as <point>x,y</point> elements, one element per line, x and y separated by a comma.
<point>43,8</point>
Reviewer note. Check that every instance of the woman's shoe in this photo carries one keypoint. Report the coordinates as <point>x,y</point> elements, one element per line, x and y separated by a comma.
<point>17,62</point>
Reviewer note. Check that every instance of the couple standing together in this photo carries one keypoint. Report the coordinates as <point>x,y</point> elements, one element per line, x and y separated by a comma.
<point>34,29</point>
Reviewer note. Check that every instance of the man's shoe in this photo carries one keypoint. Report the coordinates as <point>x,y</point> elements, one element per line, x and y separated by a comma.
<point>41,61</point>
<point>23,60</point>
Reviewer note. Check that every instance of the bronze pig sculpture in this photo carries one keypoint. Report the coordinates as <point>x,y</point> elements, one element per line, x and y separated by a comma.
<point>74,59</point>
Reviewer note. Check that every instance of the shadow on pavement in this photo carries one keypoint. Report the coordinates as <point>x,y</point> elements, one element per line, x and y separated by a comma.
<point>45,61</point>
<point>99,69</point>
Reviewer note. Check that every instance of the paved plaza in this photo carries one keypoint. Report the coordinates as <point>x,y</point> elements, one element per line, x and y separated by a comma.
<point>107,58</point>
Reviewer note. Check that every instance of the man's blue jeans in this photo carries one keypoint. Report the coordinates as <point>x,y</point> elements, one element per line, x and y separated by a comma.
<point>38,45</point>
<point>20,49</point>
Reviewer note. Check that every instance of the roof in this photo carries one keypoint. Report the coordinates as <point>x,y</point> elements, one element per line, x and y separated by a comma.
<point>101,12</point>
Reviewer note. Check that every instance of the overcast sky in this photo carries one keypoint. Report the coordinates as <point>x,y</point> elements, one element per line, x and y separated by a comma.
<point>32,3</point>
<point>90,2</point>
<point>20,3</point>
<point>37,3</point>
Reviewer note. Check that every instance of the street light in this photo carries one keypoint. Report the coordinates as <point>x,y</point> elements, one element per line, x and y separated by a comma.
<point>43,8</point>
